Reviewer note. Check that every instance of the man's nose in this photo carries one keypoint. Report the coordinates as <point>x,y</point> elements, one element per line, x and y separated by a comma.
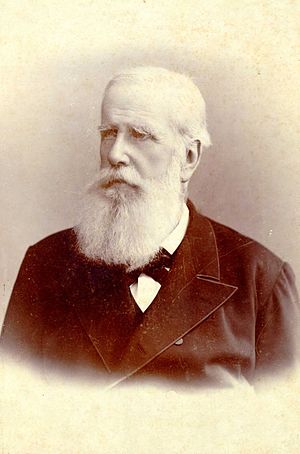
<point>117,154</point>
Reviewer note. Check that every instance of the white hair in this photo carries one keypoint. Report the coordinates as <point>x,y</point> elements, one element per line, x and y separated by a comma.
<point>187,112</point>
<point>127,227</point>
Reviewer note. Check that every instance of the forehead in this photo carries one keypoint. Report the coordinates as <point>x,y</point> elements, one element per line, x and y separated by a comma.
<point>130,103</point>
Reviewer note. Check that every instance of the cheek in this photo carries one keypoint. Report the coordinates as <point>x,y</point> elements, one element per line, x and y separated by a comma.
<point>152,165</point>
<point>158,158</point>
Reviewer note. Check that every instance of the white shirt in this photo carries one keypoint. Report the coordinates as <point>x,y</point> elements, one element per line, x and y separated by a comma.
<point>146,288</point>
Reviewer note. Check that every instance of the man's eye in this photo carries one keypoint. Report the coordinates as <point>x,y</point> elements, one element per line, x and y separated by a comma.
<point>108,133</point>
<point>140,135</point>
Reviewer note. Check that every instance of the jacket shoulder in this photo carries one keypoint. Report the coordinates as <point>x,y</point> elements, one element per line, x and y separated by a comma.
<point>249,264</point>
<point>61,237</point>
<point>230,241</point>
<point>58,241</point>
<point>243,259</point>
<point>53,251</point>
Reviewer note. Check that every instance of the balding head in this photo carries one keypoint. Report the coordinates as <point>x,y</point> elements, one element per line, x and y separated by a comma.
<point>175,92</point>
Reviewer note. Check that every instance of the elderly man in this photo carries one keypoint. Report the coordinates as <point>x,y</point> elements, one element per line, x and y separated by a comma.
<point>144,286</point>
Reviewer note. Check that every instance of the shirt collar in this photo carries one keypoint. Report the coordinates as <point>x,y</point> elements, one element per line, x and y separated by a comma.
<point>172,241</point>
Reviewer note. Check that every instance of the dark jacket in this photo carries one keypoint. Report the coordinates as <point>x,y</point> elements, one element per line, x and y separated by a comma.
<point>228,304</point>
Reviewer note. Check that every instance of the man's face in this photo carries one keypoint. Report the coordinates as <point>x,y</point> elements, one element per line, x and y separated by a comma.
<point>136,133</point>
<point>137,198</point>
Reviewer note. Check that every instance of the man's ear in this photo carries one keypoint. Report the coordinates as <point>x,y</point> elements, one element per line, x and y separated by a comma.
<point>191,162</point>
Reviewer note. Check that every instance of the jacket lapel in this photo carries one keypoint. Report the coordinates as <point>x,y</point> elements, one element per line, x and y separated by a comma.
<point>191,293</point>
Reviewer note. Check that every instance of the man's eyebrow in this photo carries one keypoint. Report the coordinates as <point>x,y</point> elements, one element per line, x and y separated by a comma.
<point>105,127</point>
<point>143,127</point>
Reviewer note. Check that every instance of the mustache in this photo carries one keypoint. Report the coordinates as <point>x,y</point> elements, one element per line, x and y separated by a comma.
<point>108,177</point>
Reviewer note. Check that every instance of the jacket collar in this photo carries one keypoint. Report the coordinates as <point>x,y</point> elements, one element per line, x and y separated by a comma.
<point>201,239</point>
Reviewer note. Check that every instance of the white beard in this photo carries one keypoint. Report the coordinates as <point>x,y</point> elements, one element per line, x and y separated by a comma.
<point>125,224</point>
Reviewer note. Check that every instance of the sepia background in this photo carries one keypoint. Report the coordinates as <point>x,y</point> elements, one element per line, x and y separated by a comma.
<point>55,60</point>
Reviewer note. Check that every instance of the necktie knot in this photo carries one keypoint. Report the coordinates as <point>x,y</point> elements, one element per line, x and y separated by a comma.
<point>158,268</point>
